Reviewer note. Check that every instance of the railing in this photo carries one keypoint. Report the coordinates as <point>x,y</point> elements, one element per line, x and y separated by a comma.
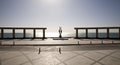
<point>97,32</point>
<point>24,32</point>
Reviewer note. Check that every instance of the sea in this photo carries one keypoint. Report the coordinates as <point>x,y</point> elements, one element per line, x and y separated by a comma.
<point>90,35</point>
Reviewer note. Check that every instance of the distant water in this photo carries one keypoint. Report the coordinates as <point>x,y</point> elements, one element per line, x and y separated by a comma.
<point>91,35</point>
<point>100,35</point>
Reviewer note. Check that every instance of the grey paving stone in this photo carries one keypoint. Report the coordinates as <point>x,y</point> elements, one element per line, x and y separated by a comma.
<point>33,56</point>
<point>48,59</point>
<point>2,52</point>
<point>79,52</point>
<point>27,63</point>
<point>15,61</point>
<point>61,64</point>
<point>116,54</point>
<point>65,56</point>
<point>110,61</point>
<point>94,55</point>
<point>97,64</point>
<point>106,52</point>
<point>9,55</point>
<point>79,60</point>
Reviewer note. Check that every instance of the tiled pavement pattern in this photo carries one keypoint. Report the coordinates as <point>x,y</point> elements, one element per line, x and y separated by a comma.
<point>77,55</point>
<point>81,57</point>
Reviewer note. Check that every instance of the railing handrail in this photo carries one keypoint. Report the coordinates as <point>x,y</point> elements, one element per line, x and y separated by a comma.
<point>96,27</point>
<point>23,28</point>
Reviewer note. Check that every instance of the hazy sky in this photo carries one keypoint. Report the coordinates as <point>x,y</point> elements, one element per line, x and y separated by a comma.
<point>55,13</point>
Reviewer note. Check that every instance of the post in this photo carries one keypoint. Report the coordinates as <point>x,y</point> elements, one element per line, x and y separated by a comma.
<point>43,33</point>
<point>24,33</point>
<point>119,33</point>
<point>34,32</point>
<point>2,33</point>
<point>78,42</point>
<point>13,33</point>
<point>39,50</point>
<point>76,33</point>
<point>60,50</point>
<point>107,32</point>
<point>86,33</point>
<point>96,33</point>
<point>0,43</point>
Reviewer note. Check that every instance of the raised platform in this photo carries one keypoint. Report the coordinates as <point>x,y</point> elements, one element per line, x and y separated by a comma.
<point>60,38</point>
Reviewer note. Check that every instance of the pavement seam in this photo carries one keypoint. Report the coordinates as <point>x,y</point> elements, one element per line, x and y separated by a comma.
<point>115,57</point>
<point>27,57</point>
<point>67,59</point>
<point>110,55</point>
<point>60,61</point>
<point>98,61</point>
<point>11,57</point>
<point>91,59</point>
<point>79,53</point>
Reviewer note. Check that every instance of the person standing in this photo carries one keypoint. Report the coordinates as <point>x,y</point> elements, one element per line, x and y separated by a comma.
<point>60,32</point>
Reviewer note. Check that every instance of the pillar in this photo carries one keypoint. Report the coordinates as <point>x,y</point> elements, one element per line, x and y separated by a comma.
<point>76,33</point>
<point>43,33</point>
<point>2,33</point>
<point>86,33</point>
<point>107,32</point>
<point>96,33</point>
<point>34,33</point>
<point>13,33</point>
<point>24,33</point>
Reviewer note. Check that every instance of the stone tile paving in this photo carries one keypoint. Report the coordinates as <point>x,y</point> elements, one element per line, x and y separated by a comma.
<point>86,57</point>
<point>78,55</point>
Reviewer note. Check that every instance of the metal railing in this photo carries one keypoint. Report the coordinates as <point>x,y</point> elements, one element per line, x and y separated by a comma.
<point>97,32</point>
<point>24,32</point>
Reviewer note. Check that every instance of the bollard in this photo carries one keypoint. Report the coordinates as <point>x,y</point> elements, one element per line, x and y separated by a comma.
<point>13,43</point>
<point>102,42</point>
<point>78,43</point>
<point>39,50</point>
<point>0,43</point>
<point>90,42</point>
<point>112,41</point>
<point>60,50</point>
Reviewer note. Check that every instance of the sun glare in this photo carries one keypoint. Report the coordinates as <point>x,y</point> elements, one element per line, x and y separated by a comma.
<point>52,34</point>
<point>51,2</point>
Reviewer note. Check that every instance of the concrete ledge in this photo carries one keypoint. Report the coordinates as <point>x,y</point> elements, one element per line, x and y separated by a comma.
<point>60,38</point>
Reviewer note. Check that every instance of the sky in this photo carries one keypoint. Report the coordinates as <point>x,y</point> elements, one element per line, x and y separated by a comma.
<point>54,13</point>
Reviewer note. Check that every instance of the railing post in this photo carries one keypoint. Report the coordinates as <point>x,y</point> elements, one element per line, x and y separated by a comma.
<point>86,33</point>
<point>13,33</point>
<point>107,32</point>
<point>76,33</point>
<point>34,33</point>
<point>96,33</point>
<point>43,33</point>
<point>24,33</point>
<point>2,33</point>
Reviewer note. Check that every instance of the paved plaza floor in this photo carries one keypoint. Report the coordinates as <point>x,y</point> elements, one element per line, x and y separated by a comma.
<point>60,55</point>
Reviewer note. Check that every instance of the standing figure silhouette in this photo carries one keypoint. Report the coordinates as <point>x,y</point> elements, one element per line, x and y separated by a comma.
<point>60,32</point>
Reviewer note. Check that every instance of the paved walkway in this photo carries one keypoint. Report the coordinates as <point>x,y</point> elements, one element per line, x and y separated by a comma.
<point>60,55</point>
<point>54,56</point>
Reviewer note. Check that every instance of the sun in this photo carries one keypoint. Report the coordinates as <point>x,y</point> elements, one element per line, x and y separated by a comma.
<point>51,1</point>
